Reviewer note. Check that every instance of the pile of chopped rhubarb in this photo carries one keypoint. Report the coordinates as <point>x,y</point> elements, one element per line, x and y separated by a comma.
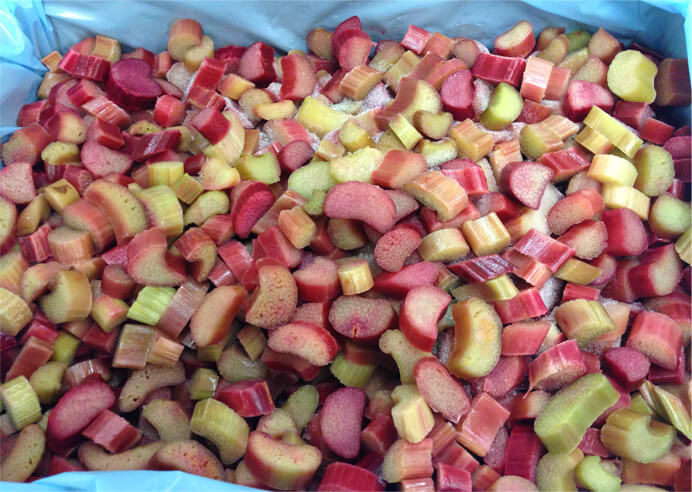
<point>416,264</point>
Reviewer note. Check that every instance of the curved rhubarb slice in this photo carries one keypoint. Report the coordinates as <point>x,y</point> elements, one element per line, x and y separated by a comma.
<point>85,215</point>
<point>440,390</point>
<point>477,341</point>
<point>70,298</point>
<point>526,181</point>
<point>169,419</point>
<point>557,366</point>
<point>592,474</point>
<point>513,483</point>
<point>122,208</point>
<point>212,320</point>
<point>217,422</point>
<point>74,411</point>
<point>397,284</point>
<point>15,313</point>
<point>274,300</point>
<point>188,456</point>
<point>95,458</point>
<point>636,436</point>
<point>150,263</point>
<point>250,200</point>
<point>421,310</point>
<point>360,318</point>
<point>306,340</point>
<point>8,220</point>
<point>282,466</point>
<point>361,201</point>
<point>516,41</point>
<point>564,420</point>
<point>130,84</point>
<point>144,381</point>
<point>298,77</point>
<point>555,471</point>
<point>23,459</point>
<point>394,247</point>
<point>200,250</point>
<point>341,420</point>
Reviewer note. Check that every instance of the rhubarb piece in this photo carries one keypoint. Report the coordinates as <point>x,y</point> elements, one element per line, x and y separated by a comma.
<point>582,95</point>
<point>301,405</point>
<point>397,284</point>
<point>282,466</point>
<point>496,69</point>
<point>504,107</point>
<point>351,47</point>
<point>95,458</point>
<point>557,366</point>
<point>306,340</point>
<point>626,233</point>
<point>626,364</point>
<point>457,95</point>
<point>339,203</point>
<point>555,471</point>
<point>215,421</point>
<point>655,170</point>
<point>486,235</point>
<point>405,355</point>
<point>112,432</point>
<point>256,64</point>
<point>523,451</point>
<point>211,321</point>
<point>129,84</point>
<point>74,411</point>
<point>631,77</point>
<point>340,421</point>
<point>524,338</point>
<point>573,209</point>
<point>516,41</point>
<point>422,308</point>
<point>655,131</point>
<point>478,429</point>
<point>144,381</point>
<point>477,341</point>
<point>15,313</point>
<point>562,423</point>
<point>658,337</point>
<point>70,298</point>
<point>273,302</point>
<point>101,160</point>
<point>85,215</point>
<point>669,217</point>
<point>588,239</point>
<point>672,83</point>
<point>471,141</point>
<point>21,462</point>
<point>344,477</point>
<point>583,320</point>
<point>25,145</point>
<point>657,273</point>
<point>411,415</point>
<point>441,391</point>
<point>360,318</point>
<point>635,436</point>
<point>354,275</point>
<point>536,79</point>
<point>17,183</point>
<point>405,461</point>
<point>526,181</point>
<point>481,269</point>
<point>150,263</point>
<point>21,402</point>
<point>120,206</point>
<point>615,196</point>
<point>188,456</point>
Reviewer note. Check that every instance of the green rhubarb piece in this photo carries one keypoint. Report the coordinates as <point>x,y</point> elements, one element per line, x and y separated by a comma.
<point>564,420</point>
<point>357,166</point>
<point>21,402</point>
<point>555,471</point>
<point>150,304</point>
<point>47,379</point>
<point>669,216</point>
<point>311,177</point>
<point>504,107</point>
<point>583,320</point>
<point>203,383</point>
<point>217,422</point>
<point>315,205</point>
<point>636,436</point>
<point>575,59</point>
<point>578,39</point>
<point>351,373</point>
<point>617,133</point>
<point>264,168</point>
<point>641,488</point>
<point>631,77</point>
<point>65,347</point>
<point>319,118</point>
<point>592,475</point>
<point>655,169</point>
<point>234,365</point>
<point>405,355</point>
<point>211,353</point>
<point>536,139</point>
<point>301,405</point>
<point>168,417</point>
<point>639,405</point>
<point>668,406</point>
<point>207,204</point>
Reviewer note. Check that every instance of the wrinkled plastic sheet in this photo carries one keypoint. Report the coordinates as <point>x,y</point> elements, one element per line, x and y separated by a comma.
<point>29,29</point>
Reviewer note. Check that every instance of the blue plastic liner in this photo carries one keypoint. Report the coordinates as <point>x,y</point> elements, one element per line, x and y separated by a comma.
<point>29,29</point>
